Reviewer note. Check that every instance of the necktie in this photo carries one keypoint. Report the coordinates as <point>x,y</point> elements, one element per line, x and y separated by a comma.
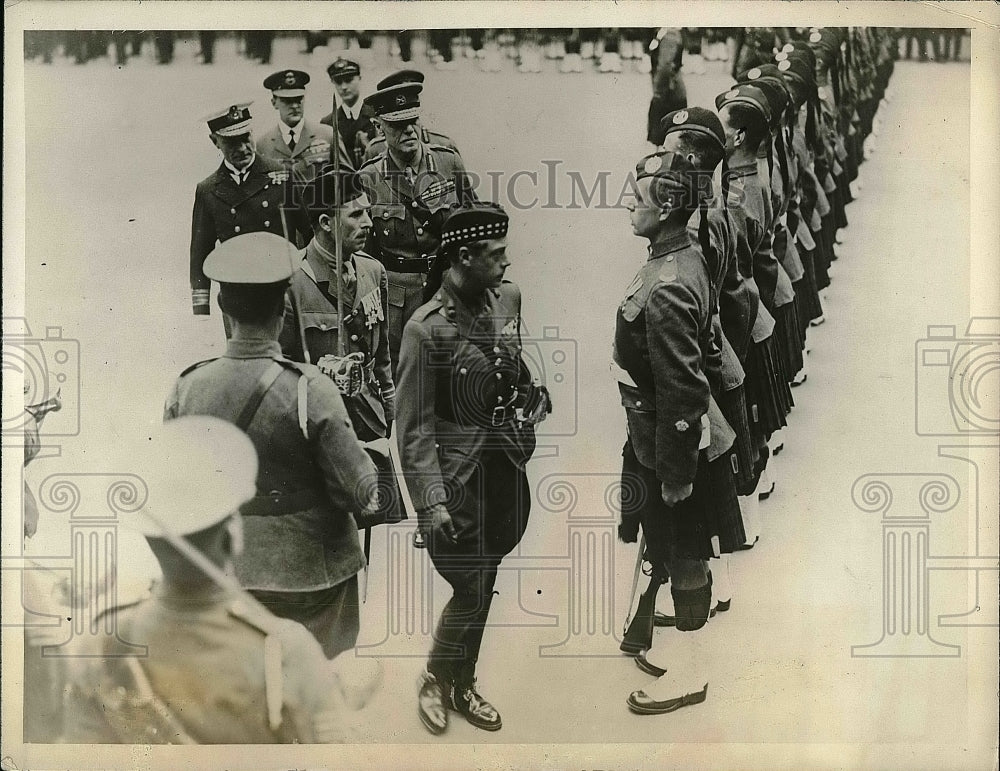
<point>350,277</point>
<point>291,139</point>
<point>408,173</point>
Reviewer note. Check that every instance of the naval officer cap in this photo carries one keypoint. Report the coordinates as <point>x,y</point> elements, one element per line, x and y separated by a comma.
<point>402,76</point>
<point>474,221</point>
<point>251,258</point>
<point>746,94</point>
<point>397,103</point>
<point>343,69</point>
<point>197,471</point>
<point>287,83</point>
<point>696,119</point>
<point>230,121</point>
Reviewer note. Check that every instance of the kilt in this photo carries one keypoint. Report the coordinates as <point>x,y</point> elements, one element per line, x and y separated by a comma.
<point>821,257</point>
<point>768,394</point>
<point>746,456</point>
<point>788,338</point>
<point>807,293</point>
<point>685,530</point>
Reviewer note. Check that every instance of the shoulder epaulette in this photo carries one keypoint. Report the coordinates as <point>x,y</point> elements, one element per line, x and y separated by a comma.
<point>445,148</point>
<point>429,307</point>
<point>370,161</point>
<point>118,608</point>
<point>195,366</point>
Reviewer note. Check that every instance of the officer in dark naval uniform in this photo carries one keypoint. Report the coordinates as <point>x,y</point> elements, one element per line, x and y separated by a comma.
<point>428,136</point>
<point>302,554</point>
<point>244,195</point>
<point>220,669</point>
<point>411,188</point>
<point>467,411</point>
<point>355,118</point>
<point>662,349</point>
<point>312,326</point>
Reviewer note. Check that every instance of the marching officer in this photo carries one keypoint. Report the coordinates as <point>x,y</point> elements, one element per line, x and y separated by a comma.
<point>313,328</point>
<point>412,186</point>
<point>355,118</point>
<point>295,143</point>
<point>204,643</point>
<point>377,146</point>
<point>302,555</point>
<point>467,411</point>
<point>244,195</point>
<point>662,346</point>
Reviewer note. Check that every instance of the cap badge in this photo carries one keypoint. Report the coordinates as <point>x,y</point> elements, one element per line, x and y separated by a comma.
<point>681,117</point>
<point>733,94</point>
<point>754,73</point>
<point>784,65</point>
<point>652,164</point>
<point>682,425</point>
<point>815,37</point>
<point>289,78</point>
<point>781,56</point>
<point>400,100</point>
<point>787,48</point>
<point>235,113</point>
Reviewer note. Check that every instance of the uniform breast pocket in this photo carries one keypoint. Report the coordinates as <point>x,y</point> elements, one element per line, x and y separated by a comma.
<point>321,332</point>
<point>397,295</point>
<point>389,220</point>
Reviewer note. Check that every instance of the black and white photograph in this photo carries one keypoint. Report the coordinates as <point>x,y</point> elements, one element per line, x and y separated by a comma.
<point>467,395</point>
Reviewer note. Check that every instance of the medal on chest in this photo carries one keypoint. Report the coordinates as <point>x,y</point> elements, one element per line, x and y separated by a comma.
<point>371,303</point>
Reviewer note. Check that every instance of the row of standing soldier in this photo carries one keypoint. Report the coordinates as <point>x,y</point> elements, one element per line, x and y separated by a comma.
<point>722,307</point>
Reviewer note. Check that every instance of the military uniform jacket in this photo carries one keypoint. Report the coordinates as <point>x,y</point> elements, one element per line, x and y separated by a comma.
<point>312,149</point>
<point>300,532</point>
<point>349,129</point>
<point>662,339</point>
<point>749,212</point>
<point>779,243</point>
<point>223,209</point>
<point>222,671</point>
<point>460,371</point>
<point>311,325</point>
<point>407,217</point>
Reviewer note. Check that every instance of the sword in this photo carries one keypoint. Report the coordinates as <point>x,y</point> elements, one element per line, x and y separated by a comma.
<point>635,580</point>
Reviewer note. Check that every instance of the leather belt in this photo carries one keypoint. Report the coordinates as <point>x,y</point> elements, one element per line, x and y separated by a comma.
<point>275,503</point>
<point>408,264</point>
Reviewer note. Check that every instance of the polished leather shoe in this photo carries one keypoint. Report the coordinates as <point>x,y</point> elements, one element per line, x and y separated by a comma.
<point>642,704</point>
<point>649,669</point>
<point>431,704</point>
<point>465,700</point>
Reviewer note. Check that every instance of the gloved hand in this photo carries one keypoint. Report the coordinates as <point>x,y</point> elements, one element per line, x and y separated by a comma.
<point>691,607</point>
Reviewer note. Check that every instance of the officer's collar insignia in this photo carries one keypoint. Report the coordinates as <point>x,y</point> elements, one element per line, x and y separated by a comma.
<point>235,113</point>
<point>680,117</point>
<point>754,73</point>
<point>682,425</point>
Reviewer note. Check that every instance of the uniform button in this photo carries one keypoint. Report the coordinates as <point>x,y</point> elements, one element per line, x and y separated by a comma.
<point>385,215</point>
<point>237,228</point>
<point>267,223</point>
<point>264,204</point>
<point>322,325</point>
<point>499,376</point>
<point>496,349</point>
<point>638,403</point>
<point>354,337</point>
<point>499,400</point>
<point>437,446</point>
<point>267,185</point>
<point>670,258</point>
<point>424,284</point>
<point>423,256</point>
<point>413,204</point>
<point>498,362</point>
<point>420,231</point>
<point>463,371</point>
<point>232,211</point>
